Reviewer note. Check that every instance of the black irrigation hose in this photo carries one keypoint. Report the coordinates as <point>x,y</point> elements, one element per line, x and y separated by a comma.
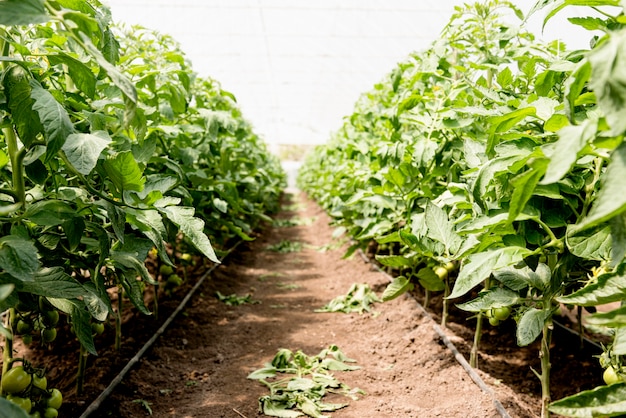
<point>118,379</point>
<point>457,355</point>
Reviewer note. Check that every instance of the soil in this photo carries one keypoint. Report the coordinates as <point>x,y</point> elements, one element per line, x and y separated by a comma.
<point>198,368</point>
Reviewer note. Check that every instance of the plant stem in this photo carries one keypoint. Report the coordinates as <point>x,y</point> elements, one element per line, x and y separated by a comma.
<point>17,166</point>
<point>477,335</point>
<point>426,297</point>
<point>545,368</point>
<point>118,318</point>
<point>446,303</point>
<point>82,365</point>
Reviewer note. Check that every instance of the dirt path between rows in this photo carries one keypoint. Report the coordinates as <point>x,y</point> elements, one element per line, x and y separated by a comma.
<point>198,368</point>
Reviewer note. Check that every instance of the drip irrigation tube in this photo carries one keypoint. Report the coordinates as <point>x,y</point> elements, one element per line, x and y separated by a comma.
<point>457,355</point>
<point>93,407</point>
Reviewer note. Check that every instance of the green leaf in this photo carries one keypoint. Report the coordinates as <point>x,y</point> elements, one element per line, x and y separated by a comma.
<point>521,278</point>
<point>480,266</point>
<point>609,287</point>
<point>494,298</point>
<point>574,85</point>
<point>429,280</point>
<point>440,228</point>
<point>18,95</point>
<point>18,257</point>
<point>124,172</point>
<point>608,79</point>
<point>611,199</point>
<point>118,78</point>
<point>54,283</point>
<point>134,290</point>
<point>277,409</point>
<point>50,212</point>
<point>264,373</point>
<point>619,343</point>
<point>506,122</point>
<point>83,150</point>
<point>55,120</point>
<point>397,287</point>
<point>618,239</point>
<point>524,186</point>
<point>81,320</point>
<point>22,12</point>
<point>564,153</point>
<point>530,325</point>
<point>80,73</point>
<point>605,401</point>
<point>191,227</point>
<point>615,318</point>
<point>592,244</point>
<point>336,365</point>
<point>395,261</point>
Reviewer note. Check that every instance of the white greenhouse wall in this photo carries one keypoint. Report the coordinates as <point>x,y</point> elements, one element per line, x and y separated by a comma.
<point>297,67</point>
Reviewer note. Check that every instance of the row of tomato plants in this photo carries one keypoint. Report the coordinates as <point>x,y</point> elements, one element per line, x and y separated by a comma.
<point>492,165</point>
<point>112,150</point>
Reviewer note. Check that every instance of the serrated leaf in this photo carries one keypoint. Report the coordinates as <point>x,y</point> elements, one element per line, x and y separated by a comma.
<point>18,96</point>
<point>592,244</point>
<point>81,320</point>
<point>397,287</point>
<point>18,257</point>
<point>191,227</point>
<point>54,283</point>
<point>615,318</point>
<point>440,228</point>
<point>336,365</point>
<point>605,401</point>
<point>80,73</point>
<point>124,172</point>
<point>277,409</point>
<point>264,373</point>
<point>530,325</point>
<point>429,280</point>
<point>493,298</point>
<point>572,140</point>
<point>50,212</point>
<point>611,199</point>
<point>22,12</point>
<point>609,287</point>
<point>479,266</point>
<point>524,186</point>
<point>55,120</point>
<point>395,261</point>
<point>521,278</point>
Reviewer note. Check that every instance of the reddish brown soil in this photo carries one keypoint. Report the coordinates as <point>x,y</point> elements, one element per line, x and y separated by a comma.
<point>198,368</point>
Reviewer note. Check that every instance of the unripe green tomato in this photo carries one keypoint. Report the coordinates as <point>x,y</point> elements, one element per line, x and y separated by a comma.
<point>44,305</point>
<point>51,318</point>
<point>48,335</point>
<point>40,382</point>
<point>450,266</point>
<point>35,414</point>
<point>55,400</point>
<point>185,256</point>
<point>165,270</point>
<point>27,339</point>
<point>174,280</point>
<point>97,327</point>
<point>501,313</point>
<point>494,321</point>
<point>23,327</point>
<point>15,380</point>
<point>24,403</point>
<point>50,413</point>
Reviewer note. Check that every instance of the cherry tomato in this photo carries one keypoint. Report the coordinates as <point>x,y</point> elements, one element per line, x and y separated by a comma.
<point>51,318</point>
<point>494,321</point>
<point>97,327</point>
<point>27,339</point>
<point>16,380</point>
<point>166,270</point>
<point>48,335</point>
<point>56,399</point>
<point>50,413</point>
<point>23,403</point>
<point>23,327</point>
<point>40,382</point>
<point>501,313</point>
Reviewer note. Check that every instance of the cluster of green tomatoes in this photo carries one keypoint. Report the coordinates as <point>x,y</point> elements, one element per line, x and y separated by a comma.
<point>35,317</point>
<point>27,387</point>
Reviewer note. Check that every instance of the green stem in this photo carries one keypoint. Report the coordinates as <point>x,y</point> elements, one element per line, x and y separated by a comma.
<point>446,304</point>
<point>426,297</point>
<point>82,366</point>
<point>477,335</point>
<point>17,165</point>
<point>118,318</point>
<point>545,368</point>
